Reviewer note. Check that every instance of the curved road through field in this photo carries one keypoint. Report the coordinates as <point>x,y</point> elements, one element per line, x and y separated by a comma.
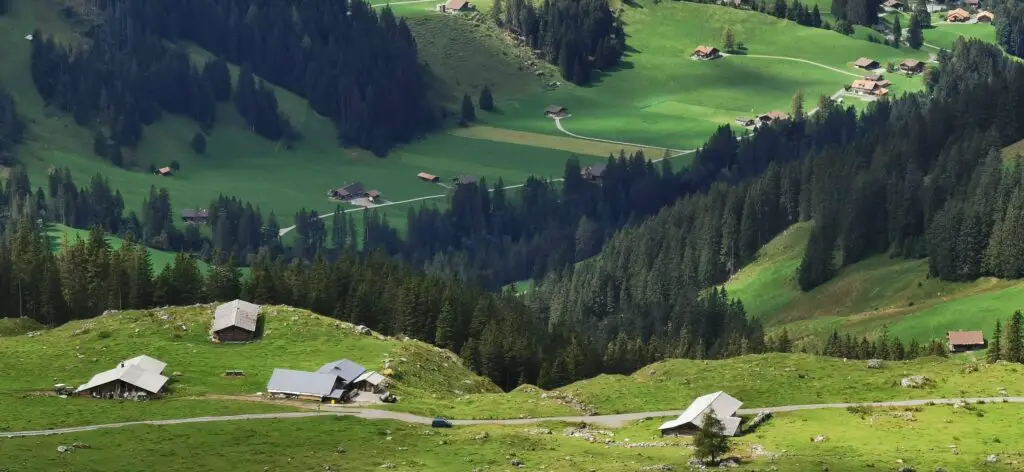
<point>612,421</point>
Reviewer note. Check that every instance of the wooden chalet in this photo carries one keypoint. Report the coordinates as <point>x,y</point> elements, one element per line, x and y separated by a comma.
<point>428,177</point>
<point>594,173</point>
<point>195,216</point>
<point>348,192</point>
<point>704,53</point>
<point>373,195</point>
<point>745,121</point>
<point>985,17</point>
<point>772,117</point>
<point>235,321</point>
<point>165,171</point>
<point>865,87</point>
<point>893,5</point>
<point>958,16</point>
<point>874,77</point>
<point>866,63</point>
<point>556,111</point>
<point>960,341</point>
<point>452,6</point>
<point>912,66</point>
<point>465,180</point>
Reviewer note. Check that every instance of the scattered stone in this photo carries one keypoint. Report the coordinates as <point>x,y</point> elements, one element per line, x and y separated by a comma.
<point>328,468</point>
<point>517,463</point>
<point>79,445</point>
<point>730,463</point>
<point>914,381</point>
<point>656,467</point>
<point>339,450</point>
<point>905,468</point>
<point>819,438</point>
<point>959,404</point>
<point>940,469</point>
<point>991,459</point>
<point>177,374</point>
<point>538,431</point>
<point>387,465</point>
<point>651,373</point>
<point>874,363</point>
<point>183,327</point>
<point>481,436</point>
<point>64,449</point>
<point>362,329</point>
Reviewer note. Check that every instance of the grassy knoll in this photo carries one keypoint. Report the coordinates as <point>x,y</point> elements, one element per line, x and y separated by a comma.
<point>428,380</point>
<point>786,379</point>
<point>18,326</point>
<point>659,96</point>
<point>863,297</point>
<point>57,233</point>
<point>879,439</point>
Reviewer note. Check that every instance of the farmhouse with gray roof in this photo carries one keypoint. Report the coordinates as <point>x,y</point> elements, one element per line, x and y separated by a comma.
<point>235,321</point>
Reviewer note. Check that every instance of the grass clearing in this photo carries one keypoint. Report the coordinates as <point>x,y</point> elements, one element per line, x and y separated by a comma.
<point>160,259</point>
<point>579,147</point>
<point>790,379</point>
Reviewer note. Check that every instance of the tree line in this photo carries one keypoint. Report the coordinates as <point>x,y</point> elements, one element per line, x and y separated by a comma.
<point>1009,24</point>
<point>579,36</point>
<point>1007,345</point>
<point>12,127</point>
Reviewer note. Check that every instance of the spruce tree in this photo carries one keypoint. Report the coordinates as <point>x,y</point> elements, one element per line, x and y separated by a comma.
<point>1015,338</point>
<point>915,37</point>
<point>468,112</point>
<point>710,443</point>
<point>995,345</point>
<point>897,32</point>
<point>728,40</point>
<point>199,143</point>
<point>497,13</point>
<point>486,101</point>
<point>798,105</point>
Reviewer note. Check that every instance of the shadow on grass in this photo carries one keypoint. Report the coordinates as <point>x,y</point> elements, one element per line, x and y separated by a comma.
<point>597,77</point>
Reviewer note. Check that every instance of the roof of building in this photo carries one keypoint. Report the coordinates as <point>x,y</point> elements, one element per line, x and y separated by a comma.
<point>959,12</point>
<point>705,50</point>
<point>297,382</point>
<point>456,4</point>
<point>346,369</point>
<point>238,313</point>
<point>911,63</point>
<point>133,374</point>
<point>966,337</point>
<point>892,3</point>
<point>721,404</point>
<point>148,363</point>
<point>774,116</point>
<point>373,193</point>
<point>352,188</point>
<point>986,14</point>
<point>554,109</point>
<point>193,213</point>
<point>971,2</point>
<point>466,179</point>
<point>424,175</point>
<point>164,170</point>
<point>865,62</point>
<point>875,77</point>
<point>864,84</point>
<point>597,170</point>
<point>371,378</point>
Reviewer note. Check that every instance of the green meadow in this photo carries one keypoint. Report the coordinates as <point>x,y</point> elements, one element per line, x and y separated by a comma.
<point>59,233</point>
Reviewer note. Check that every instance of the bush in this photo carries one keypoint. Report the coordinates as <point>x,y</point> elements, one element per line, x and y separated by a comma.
<point>199,143</point>
<point>104,334</point>
<point>862,410</point>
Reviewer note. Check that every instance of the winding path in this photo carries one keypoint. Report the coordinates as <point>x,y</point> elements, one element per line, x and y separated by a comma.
<point>679,152</point>
<point>612,421</point>
<point>795,59</point>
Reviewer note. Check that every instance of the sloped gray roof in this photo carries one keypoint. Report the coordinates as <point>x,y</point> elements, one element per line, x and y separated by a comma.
<point>297,382</point>
<point>721,404</point>
<point>133,374</point>
<point>147,363</point>
<point>238,313</point>
<point>346,369</point>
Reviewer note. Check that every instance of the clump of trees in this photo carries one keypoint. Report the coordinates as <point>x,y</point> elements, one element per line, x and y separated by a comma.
<point>859,12</point>
<point>1008,345</point>
<point>12,127</point>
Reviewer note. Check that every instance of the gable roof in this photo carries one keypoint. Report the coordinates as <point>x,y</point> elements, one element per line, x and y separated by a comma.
<point>371,378</point>
<point>721,404</point>
<point>466,179</point>
<point>912,63</point>
<point>705,50</point>
<point>597,170</point>
<point>164,170</point>
<point>959,13</point>
<point>456,4</point>
<point>971,2</point>
<point>864,84</point>
<point>146,363</point>
<point>193,213</point>
<point>424,175</point>
<point>238,313</point>
<point>554,109</point>
<point>297,382</point>
<point>864,62</point>
<point>132,374</point>
<point>892,3</point>
<point>986,14</point>
<point>773,116</point>
<point>352,188</point>
<point>965,338</point>
<point>346,369</point>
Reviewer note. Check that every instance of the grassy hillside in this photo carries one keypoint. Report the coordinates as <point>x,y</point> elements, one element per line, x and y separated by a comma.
<point>787,379</point>
<point>160,259</point>
<point>863,297</point>
<point>427,379</point>
<point>659,96</point>
<point>876,439</point>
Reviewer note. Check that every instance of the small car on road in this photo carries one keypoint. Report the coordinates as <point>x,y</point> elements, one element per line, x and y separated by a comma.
<point>440,423</point>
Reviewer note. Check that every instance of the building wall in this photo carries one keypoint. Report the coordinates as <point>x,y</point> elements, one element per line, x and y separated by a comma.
<point>684,430</point>
<point>115,389</point>
<point>234,334</point>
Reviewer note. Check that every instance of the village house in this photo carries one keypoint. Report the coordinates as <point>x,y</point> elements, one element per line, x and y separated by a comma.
<point>165,172</point>
<point>555,111</point>
<point>720,404</point>
<point>193,216</point>
<point>972,3</point>
<point>305,385</point>
<point>452,6</point>
<point>771,117</point>
<point>138,377</point>
<point>866,63</point>
<point>865,87</point>
<point>958,16</point>
<point>464,180</point>
<point>593,173</point>
<point>235,321</point>
<point>960,341</point>
<point>348,192</point>
<point>893,5</point>
<point>371,382</point>
<point>874,77</point>
<point>912,66</point>
<point>745,121</point>
<point>985,17</point>
<point>704,53</point>
<point>428,177</point>
<point>346,371</point>
<point>373,195</point>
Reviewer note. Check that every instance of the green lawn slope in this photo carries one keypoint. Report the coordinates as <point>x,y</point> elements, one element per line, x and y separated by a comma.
<point>58,233</point>
<point>865,296</point>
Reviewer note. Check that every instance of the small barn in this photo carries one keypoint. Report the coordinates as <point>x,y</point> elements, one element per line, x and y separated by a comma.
<point>985,17</point>
<point>893,5</point>
<point>772,117</point>
<point>305,385</point>
<point>428,177</point>
<point>345,370</point>
<point>912,66</point>
<point>235,321</point>
<point>457,5</point>
<point>594,173</point>
<point>370,381</point>
<point>720,404</point>
<point>133,378</point>
<point>556,111</point>
<point>465,180</point>
<point>195,216</point>
<point>866,63</point>
<point>348,192</point>
<point>705,53</point>
<point>960,341</point>
<point>874,77</point>
<point>165,172</point>
<point>745,121</point>
<point>958,16</point>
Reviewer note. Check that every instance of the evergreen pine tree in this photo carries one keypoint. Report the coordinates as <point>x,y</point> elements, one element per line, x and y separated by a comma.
<point>798,105</point>
<point>995,345</point>
<point>709,443</point>
<point>445,335</point>
<point>728,40</point>
<point>1015,338</point>
<point>468,112</point>
<point>897,32</point>
<point>915,37</point>
<point>497,14</point>
<point>486,100</point>
<point>199,143</point>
